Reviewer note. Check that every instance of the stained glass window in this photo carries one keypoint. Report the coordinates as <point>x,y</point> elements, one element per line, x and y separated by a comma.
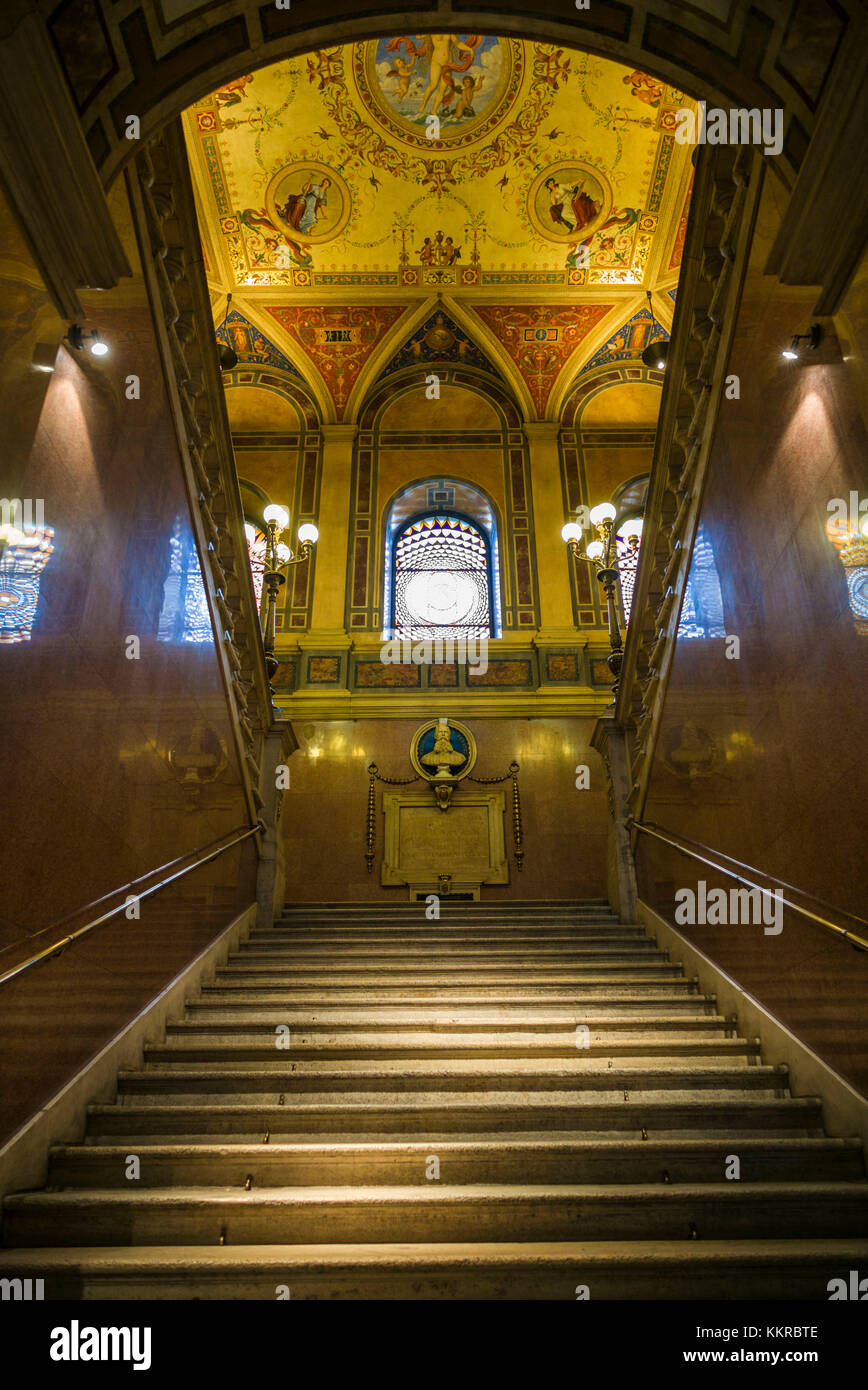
<point>852,547</point>
<point>441,580</point>
<point>257,544</point>
<point>628,561</point>
<point>184,616</point>
<point>702,609</point>
<point>22,561</point>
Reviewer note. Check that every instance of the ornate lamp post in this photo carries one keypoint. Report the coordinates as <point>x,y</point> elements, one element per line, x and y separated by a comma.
<point>604,555</point>
<point>278,559</point>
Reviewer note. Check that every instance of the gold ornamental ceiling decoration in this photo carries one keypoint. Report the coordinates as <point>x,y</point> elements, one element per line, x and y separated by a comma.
<point>548,168</point>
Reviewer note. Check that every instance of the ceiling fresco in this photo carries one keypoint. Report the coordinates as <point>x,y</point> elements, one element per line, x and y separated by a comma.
<point>459,160</point>
<point>534,193</point>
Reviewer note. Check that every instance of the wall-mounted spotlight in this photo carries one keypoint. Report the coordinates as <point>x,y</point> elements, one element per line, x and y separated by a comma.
<point>804,342</point>
<point>80,338</point>
<point>228,355</point>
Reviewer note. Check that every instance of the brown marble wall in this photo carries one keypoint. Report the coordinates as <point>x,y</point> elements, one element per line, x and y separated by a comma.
<point>90,800</point>
<point>324,810</point>
<point>763,757</point>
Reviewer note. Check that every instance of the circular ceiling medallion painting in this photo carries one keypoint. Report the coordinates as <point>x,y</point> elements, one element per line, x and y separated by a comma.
<point>468,81</point>
<point>568,201</point>
<point>309,202</point>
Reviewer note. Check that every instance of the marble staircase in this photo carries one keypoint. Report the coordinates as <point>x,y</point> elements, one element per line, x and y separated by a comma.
<point>518,1101</point>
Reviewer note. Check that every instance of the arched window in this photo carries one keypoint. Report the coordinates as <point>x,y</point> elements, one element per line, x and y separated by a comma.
<point>184,616</point>
<point>628,563</point>
<point>702,609</point>
<point>257,545</point>
<point>22,560</point>
<point>851,544</point>
<point>441,575</point>
<point>629,501</point>
<point>442,579</point>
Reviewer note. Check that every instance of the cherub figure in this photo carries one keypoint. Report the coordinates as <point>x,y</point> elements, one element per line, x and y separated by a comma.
<point>645,88</point>
<point>451,252</point>
<point>464,104</point>
<point>232,92</point>
<point>403,71</point>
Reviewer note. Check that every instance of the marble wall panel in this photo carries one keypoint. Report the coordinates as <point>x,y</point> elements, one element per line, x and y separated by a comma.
<point>564,828</point>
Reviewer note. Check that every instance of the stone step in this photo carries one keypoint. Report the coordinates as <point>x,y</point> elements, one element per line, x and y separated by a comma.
<point>401,993</point>
<point>547,1160</point>
<point>336,1116</point>
<point>401,907</point>
<point>415,919</point>
<point>364,1047</point>
<point>342,1025</point>
<point>359,1080</point>
<point>433,955</point>
<point>543,907</point>
<point>417,925</point>
<point>445,928</point>
<point>386,974</point>
<point>676,995</point>
<point>429,932</point>
<point>680,1270</point>
<point>437,1211</point>
<point>540,1019</point>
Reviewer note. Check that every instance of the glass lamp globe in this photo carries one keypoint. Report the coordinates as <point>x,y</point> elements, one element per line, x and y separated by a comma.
<point>277,514</point>
<point>571,532</point>
<point>308,532</point>
<point>604,511</point>
<point>595,550</point>
<point>283,553</point>
<point>250,532</point>
<point>632,527</point>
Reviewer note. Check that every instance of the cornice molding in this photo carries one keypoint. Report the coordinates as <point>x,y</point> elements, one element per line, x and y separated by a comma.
<point>49,175</point>
<point>816,244</point>
<point>578,701</point>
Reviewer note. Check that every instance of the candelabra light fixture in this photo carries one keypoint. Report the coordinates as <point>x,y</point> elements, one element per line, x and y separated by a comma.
<point>604,555</point>
<point>278,559</point>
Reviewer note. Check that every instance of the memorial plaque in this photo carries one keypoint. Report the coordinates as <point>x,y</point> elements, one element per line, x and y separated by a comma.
<point>422,844</point>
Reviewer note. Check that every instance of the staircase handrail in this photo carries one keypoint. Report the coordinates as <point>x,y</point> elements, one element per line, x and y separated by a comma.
<point>239,834</point>
<point>691,848</point>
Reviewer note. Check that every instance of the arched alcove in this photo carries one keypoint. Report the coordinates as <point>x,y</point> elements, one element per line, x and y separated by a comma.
<point>476,450</point>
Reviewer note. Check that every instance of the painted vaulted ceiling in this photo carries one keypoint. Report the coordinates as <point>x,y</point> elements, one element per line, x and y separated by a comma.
<point>534,193</point>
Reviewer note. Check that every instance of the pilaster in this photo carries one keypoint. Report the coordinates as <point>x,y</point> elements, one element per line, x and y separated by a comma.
<point>330,582</point>
<point>555,599</point>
